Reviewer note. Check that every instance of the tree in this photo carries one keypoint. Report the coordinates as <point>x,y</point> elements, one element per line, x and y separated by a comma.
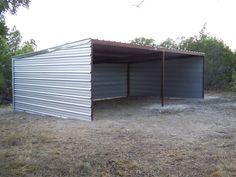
<point>3,27</point>
<point>12,5</point>
<point>220,59</point>
<point>169,43</point>
<point>4,66</point>
<point>10,45</point>
<point>143,41</point>
<point>14,39</point>
<point>28,46</point>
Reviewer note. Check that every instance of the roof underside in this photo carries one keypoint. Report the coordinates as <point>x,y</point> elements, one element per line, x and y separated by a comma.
<point>116,52</point>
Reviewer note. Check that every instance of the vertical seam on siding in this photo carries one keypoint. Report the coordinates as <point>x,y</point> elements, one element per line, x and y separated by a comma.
<point>203,76</point>
<point>91,90</point>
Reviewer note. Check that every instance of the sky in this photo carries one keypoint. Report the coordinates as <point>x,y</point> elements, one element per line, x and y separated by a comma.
<point>55,22</point>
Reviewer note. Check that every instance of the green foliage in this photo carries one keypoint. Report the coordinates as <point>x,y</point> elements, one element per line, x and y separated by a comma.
<point>143,41</point>
<point>14,39</point>
<point>220,60</point>
<point>15,43</point>
<point>233,83</point>
<point>12,5</point>
<point>234,76</point>
<point>4,56</point>
<point>169,43</point>
<point>3,27</point>
<point>28,46</point>
<point>219,63</point>
<point>10,45</point>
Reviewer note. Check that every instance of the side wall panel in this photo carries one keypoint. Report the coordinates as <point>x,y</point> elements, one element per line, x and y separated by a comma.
<point>184,78</point>
<point>109,81</point>
<point>56,83</point>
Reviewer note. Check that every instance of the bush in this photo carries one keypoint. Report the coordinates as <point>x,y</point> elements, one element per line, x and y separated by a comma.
<point>233,83</point>
<point>220,60</point>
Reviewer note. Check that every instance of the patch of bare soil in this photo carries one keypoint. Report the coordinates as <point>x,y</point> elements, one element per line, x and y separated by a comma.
<point>129,137</point>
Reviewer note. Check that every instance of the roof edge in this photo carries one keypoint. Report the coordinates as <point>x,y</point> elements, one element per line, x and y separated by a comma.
<point>158,48</point>
<point>48,50</point>
<point>112,43</point>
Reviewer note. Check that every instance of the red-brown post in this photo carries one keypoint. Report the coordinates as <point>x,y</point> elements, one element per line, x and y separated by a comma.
<point>163,80</point>
<point>203,76</point>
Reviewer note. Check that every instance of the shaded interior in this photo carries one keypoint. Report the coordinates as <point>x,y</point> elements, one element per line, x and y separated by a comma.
<point>121,70</point>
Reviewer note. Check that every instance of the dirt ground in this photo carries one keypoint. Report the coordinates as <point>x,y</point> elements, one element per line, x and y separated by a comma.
<point>129,137</point>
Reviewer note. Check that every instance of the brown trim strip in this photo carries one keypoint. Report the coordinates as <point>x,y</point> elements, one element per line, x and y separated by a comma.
<point>203,76</point>
<point>128,80</point>
<point>133,46</point>
<point>163,79</point>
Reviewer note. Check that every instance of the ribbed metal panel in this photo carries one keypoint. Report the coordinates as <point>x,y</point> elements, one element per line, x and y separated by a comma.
<point>109,80</point>
<point>184,77</point>
<point>57,83</point>
<point>145,79</point>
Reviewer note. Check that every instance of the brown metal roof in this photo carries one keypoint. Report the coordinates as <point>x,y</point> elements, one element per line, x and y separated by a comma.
<point>111,51</point>
<point>118,52</point>
<point>134,46</point>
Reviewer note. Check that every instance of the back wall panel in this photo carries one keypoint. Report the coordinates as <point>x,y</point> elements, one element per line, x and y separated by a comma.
<point>145,79</point>
<point>184,77</point>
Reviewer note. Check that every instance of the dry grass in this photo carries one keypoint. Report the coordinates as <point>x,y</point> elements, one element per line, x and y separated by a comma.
<point>125,140</point>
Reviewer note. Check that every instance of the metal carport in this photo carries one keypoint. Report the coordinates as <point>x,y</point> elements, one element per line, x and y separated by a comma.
<point>64,81</point>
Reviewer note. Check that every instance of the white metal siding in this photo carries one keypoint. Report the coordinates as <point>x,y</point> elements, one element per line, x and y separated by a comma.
<point>109,80</point>
<point>56,83</point>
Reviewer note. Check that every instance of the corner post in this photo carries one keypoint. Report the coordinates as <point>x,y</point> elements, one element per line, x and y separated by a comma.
<point>128,79</point>
<point>13,83</point>
<point>203,76</point>
<point>91,81</point>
